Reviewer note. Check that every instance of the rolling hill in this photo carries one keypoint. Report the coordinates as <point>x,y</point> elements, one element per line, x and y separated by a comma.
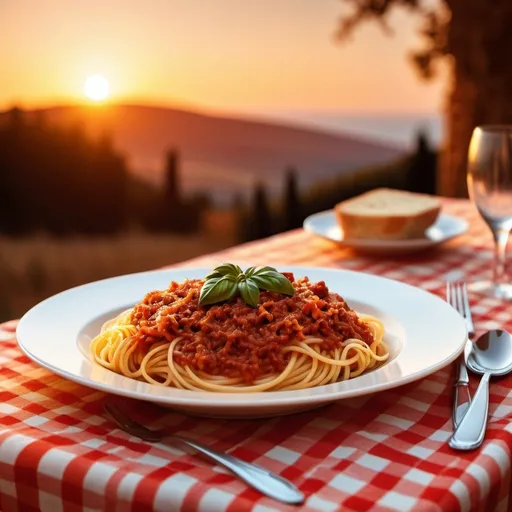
<point>221,155</point>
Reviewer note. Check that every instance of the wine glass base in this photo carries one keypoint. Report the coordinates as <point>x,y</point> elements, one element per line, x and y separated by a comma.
<point>501,291</point>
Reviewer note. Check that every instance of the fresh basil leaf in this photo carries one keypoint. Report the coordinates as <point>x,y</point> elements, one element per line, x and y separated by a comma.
<point>227,279</point>
<point>217,290</point>
<point>250,271</point>
<point>263,270</point>
<point>228,269</point>
<point>274,282</point>
<point>249,292</point>
<point>214,274</point>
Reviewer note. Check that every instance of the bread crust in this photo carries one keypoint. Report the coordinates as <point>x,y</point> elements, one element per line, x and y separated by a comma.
<point>387,227</point>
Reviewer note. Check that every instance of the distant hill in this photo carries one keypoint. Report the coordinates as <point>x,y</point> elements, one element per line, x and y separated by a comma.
<point>221,155</point>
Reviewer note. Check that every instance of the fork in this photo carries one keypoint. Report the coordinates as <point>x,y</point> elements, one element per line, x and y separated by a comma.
<point>457,296</point>
<point>262,479</point>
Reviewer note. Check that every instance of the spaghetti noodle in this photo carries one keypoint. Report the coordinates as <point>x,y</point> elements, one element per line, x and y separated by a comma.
<point>310,339</point>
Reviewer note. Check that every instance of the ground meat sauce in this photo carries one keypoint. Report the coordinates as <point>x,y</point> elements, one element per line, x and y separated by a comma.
<point>233,339</point>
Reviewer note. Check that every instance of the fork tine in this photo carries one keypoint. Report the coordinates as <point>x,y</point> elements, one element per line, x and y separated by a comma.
<point>131,426</point>
<point>121,418</point>
<point>460,302</point>
<point>467,309</point>
<point>457,296</point>
<point>450,293</point>
<point>114,413</point>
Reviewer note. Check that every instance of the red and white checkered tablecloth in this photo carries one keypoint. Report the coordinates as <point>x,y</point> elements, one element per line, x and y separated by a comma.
<point>385,451</point>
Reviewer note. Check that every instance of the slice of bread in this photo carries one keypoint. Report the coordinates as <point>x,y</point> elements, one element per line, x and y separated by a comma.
<point>386,213</point>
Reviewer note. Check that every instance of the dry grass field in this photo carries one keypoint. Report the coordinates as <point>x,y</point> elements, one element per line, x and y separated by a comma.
<point>34,268</point>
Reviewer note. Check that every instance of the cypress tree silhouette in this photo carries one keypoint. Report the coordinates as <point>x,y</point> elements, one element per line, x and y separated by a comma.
<point>239,209</point>
<point>261,216</point>
<point>181,214</point>
<point>421,175</point>
<point>172,186</point>
<point>292,207</point>
<point>173,207</point>
<point>17,172</point>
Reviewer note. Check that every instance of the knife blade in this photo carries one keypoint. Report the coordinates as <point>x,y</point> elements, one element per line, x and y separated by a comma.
<point>462,399</point>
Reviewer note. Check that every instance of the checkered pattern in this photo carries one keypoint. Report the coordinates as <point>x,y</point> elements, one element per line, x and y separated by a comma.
<point>386,451</point>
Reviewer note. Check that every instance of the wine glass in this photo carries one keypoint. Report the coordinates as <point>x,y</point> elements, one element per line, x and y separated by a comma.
<point>489,176</point>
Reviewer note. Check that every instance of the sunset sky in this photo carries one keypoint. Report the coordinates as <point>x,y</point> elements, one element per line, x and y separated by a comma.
<point>221,54</point>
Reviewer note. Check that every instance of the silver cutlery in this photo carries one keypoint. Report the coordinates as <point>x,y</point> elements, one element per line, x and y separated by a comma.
<point>490,356</point>
<point>263,480</point>
<point>457,296</point>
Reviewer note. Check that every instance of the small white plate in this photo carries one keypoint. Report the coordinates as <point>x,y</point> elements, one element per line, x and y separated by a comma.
<point>423,333</point>
<point>446,227</point>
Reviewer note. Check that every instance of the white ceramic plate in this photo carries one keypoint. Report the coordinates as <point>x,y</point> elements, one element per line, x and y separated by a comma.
<point>445,228</point>
<point>423,332</point>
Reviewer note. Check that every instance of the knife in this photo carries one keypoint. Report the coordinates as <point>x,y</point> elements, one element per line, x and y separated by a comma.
<point>462,399</point>
<point>457,296</point>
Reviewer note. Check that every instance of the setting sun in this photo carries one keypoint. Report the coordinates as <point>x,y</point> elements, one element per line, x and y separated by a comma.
<point>96,88</point>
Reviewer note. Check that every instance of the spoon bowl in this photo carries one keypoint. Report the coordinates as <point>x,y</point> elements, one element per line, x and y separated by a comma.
<point>491,353</point>
<point>490,356</point>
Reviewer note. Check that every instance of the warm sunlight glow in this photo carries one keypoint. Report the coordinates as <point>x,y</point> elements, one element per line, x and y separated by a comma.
<point>96,88</point>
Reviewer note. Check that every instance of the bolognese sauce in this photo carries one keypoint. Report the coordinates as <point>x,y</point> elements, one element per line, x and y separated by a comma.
<point>232,339</point>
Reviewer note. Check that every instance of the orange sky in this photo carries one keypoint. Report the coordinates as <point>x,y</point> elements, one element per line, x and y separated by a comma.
<point>222,54</point>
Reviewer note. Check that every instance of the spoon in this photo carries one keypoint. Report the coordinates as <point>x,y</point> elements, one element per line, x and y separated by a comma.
<point>490,356</point>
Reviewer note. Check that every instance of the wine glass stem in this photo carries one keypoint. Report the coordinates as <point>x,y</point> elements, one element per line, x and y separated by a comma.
<point>500,253</point>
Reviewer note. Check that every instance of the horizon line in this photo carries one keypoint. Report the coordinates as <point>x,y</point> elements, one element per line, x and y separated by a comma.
<point>202,108</point>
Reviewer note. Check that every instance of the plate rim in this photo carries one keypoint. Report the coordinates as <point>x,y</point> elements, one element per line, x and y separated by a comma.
<point>264,399</point>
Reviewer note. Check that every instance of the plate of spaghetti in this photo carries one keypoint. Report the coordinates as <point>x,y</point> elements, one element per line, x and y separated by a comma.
<point>233,342</point>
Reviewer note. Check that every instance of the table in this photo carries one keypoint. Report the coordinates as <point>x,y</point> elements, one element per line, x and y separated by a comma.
<point>386,451</point>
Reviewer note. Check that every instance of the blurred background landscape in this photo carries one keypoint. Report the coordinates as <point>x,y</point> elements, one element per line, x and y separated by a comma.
<point>135,135</point>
